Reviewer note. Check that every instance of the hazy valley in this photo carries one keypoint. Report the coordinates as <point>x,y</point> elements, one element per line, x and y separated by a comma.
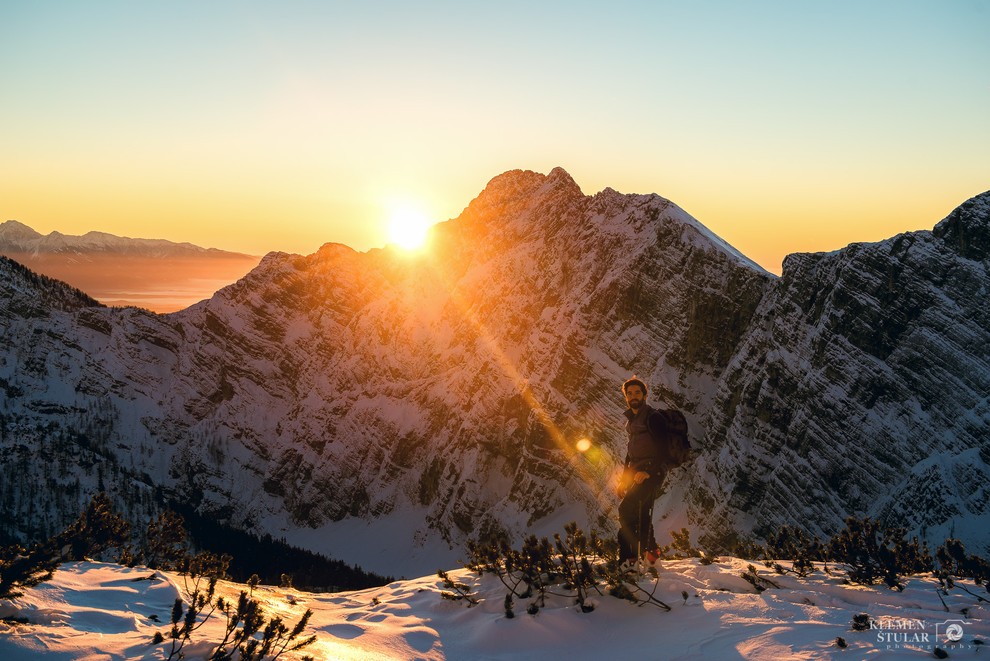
<point>159,275</point>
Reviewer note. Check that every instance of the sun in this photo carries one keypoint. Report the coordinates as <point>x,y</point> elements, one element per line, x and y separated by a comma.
<point>408,228</point>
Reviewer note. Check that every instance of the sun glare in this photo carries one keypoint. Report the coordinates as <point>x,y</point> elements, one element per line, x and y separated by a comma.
<point>408,228</point>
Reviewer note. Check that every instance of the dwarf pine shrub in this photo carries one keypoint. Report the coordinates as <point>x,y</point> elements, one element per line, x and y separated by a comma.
<point>790,543</point>
<point>574,565</point>
<point>954,563</point>
<point>953,560</point>
<point>165,544</point>
<point>874,554</point>
<point>456,590</point>
<point>97,530</point>
<point>680,545</point>
<point>247,635</point>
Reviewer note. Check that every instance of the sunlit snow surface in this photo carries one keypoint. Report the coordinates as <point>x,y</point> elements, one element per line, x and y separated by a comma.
<point>92,611</point>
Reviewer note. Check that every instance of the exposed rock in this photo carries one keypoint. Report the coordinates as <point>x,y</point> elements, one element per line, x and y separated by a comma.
<point>861,388</point>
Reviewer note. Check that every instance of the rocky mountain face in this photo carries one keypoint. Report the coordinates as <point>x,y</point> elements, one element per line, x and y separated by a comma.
<point>862,386</point>
<point>384,406</point>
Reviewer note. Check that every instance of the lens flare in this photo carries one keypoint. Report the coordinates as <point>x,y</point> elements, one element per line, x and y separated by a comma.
<point>588,464</point>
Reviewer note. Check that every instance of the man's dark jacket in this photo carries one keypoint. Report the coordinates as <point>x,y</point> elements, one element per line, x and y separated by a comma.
<point>644,453</point>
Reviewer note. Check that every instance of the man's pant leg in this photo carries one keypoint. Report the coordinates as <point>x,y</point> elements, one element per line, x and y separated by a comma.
<point>636,519</point>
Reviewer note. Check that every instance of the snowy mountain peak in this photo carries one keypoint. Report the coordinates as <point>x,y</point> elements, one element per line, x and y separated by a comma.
<point>442,395</point>
<point>13,231</point>
<point>331,249</point>
<point>863,377</point>
<point>559,177</point>
<point>515,184</point>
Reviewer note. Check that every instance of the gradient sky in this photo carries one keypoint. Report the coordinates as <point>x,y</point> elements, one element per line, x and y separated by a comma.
<point>255,126</point>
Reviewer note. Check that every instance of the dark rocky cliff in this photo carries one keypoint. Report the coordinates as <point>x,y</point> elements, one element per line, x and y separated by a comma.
<point>862,388</point>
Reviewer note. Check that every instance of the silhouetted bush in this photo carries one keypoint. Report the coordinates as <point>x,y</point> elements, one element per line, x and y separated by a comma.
<point>244,620</point>
<point>574,565</point>
<point>789,543</point>
<point>875,554</point>
<point>954,561</point>
<point>97,529</point>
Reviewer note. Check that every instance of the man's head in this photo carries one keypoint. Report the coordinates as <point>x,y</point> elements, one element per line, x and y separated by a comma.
<point>635,392</point>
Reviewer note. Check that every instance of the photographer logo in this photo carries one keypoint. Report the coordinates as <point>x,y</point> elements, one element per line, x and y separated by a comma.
<point>949,632</point>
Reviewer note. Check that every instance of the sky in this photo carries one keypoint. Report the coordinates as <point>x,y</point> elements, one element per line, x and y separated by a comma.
<point>787,126</point>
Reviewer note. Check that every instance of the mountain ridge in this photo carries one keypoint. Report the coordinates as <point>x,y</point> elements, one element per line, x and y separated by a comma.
<point>327,396</point>
<point>151,273</point>
<point>886,407</point>
<point>16,237</point>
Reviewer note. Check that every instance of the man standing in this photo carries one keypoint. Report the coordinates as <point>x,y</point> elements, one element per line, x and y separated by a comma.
<point>642,477</point>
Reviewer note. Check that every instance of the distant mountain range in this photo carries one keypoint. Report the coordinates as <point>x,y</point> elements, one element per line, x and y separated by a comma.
<point>153,273</point>
<point>18,237</point>
<point>383,408</point>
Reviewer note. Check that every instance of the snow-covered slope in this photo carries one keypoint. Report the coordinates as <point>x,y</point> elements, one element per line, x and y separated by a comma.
<point>102,611</point>
<point>382,407</point>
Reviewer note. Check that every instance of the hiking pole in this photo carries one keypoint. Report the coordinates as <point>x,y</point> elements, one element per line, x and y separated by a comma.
<point>639,530</point>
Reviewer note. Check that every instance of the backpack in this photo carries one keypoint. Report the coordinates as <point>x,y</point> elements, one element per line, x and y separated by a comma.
<point>670,431</point>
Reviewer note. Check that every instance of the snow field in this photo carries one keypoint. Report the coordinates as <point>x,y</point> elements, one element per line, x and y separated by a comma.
<point>104,612</point>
